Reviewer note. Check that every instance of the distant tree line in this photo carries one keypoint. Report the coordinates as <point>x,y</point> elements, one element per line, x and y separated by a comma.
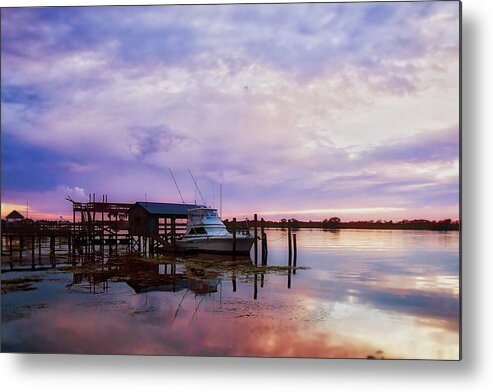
<point>336,223</point>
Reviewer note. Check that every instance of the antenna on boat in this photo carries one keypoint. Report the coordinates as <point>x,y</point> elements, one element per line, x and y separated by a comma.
<point>197,187</point>
<point>176,184</point>
<point>221,200</point>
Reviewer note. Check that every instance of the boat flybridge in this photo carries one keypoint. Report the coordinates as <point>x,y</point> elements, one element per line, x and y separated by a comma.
<point>206,232</point>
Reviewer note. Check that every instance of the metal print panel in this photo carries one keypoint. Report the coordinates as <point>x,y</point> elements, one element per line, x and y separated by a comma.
<point>268,180</point>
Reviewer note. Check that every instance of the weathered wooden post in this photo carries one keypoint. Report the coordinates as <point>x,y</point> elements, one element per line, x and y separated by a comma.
<point>53,260</point>
<point>93,224</point>
<point>110,237</point>
<point>290,256</point>
<point>234,238</point>
<point>290,244</point>
<point>295,255</point>
<point>10,246</point>
<point>262,234</point>
<point>39,245</point>
<point>52,244</point>
<point>255,233</point>
<point>93,227</point>
<point>265,251</point>
<point>21,245</point>
<point>255,288</point>
<point>101,247</point>
<point>173,233</point>
<point>116,235</point>
<point>33,247</point>
<point>73,227</point>
<point>60,236</point>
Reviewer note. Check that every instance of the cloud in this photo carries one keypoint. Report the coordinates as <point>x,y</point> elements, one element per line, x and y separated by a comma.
<point>428,146</point>
<point>49,204</point>
<point>310,104</point>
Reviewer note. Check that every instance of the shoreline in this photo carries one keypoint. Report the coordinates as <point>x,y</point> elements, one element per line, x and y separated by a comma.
<point>429,226</point>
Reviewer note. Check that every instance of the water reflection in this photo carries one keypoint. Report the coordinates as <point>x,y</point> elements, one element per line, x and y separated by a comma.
<point>145,277</point>
<point>390,294</point>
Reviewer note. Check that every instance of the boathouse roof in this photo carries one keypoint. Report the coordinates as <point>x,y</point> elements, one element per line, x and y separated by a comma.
<point>14,215</point>
<point>170,209</point>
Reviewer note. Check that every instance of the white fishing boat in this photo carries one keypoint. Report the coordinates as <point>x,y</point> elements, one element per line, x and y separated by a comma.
<point>206,232</point>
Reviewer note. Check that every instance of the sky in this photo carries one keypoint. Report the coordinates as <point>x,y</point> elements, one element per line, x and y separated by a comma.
<point>302,111</point>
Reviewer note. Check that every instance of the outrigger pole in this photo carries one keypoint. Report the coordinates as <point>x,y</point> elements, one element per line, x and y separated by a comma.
<point>176,184</point>
<point>196,186</point>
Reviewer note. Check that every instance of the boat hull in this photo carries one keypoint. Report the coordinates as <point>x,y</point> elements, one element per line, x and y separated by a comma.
<point>216,245</point>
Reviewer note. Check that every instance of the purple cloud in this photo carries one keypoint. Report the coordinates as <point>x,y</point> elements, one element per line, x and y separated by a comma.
<point>441,145</point>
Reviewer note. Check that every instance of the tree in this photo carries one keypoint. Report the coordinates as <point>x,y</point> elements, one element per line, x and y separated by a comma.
<point>295,223</point>
<point>334,219</point>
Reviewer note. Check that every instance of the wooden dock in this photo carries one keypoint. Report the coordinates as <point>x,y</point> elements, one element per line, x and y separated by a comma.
<point>105,228</point>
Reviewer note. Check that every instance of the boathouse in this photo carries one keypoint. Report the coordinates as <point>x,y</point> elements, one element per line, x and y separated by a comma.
<point>149,218</point>
<point>14,216</point>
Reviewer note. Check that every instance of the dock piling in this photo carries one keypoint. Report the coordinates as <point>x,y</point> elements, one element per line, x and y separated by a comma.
<point>255,232</point>
<point>52,244</point>
<point>21,245</point>
<point>290,244</point>
<point>295,253</point>
<point>264,242</point>
<point>264,249</point>
<point>234,238</point>
<point>173,233</point>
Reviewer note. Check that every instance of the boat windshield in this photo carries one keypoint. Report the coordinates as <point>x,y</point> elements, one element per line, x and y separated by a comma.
<point>203,214</point>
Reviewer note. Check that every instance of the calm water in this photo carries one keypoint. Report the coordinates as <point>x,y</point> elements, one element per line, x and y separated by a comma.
<point>361,293</point>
